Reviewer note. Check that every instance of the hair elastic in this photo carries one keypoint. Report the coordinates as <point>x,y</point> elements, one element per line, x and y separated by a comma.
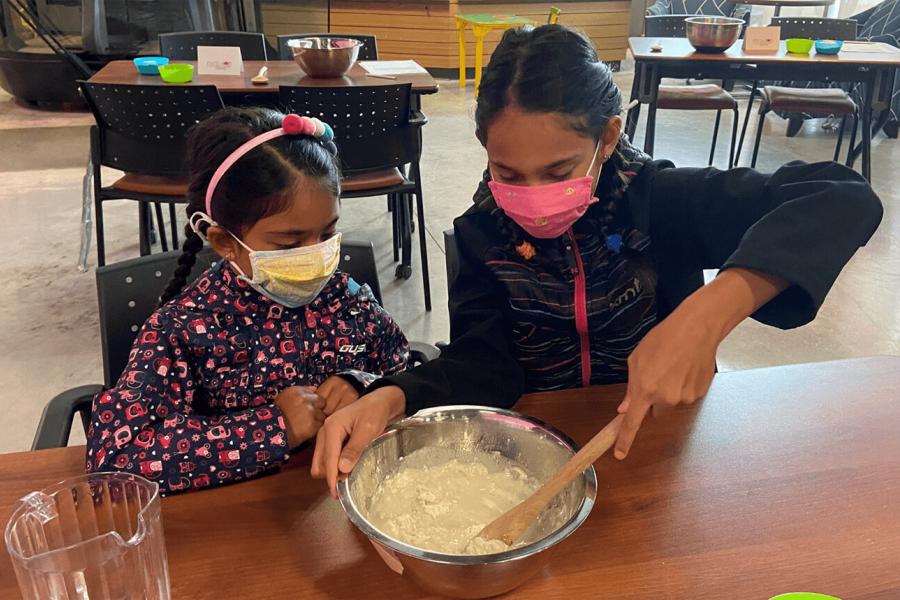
<point>291,125</point>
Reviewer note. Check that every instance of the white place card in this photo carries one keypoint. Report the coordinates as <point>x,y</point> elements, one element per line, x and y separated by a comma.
<point>762,40</point>
<point>392,67</point>
<point>866,47</point>
<point>219,60</point>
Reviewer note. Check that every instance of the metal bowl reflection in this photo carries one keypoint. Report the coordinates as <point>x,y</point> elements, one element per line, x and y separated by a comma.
<point>537,448</point>
<point>713,34</point>
<point>325,57</point>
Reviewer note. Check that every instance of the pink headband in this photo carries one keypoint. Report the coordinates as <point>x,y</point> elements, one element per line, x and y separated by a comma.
<point>290,125</point>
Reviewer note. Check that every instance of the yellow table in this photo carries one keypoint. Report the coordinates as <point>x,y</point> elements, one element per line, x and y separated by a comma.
<point>482,24</point>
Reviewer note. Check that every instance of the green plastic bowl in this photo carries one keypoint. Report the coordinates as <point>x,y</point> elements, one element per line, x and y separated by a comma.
<point>795,46</point>
<point>176,73</point>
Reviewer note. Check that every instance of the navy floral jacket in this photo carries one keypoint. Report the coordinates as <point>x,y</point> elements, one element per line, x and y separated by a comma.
<point>195,405</point>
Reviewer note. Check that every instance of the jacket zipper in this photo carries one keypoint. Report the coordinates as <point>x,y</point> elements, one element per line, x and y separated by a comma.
<point>581,319</point>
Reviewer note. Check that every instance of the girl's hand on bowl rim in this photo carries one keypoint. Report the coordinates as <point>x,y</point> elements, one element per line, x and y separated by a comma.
<point>346,433</point>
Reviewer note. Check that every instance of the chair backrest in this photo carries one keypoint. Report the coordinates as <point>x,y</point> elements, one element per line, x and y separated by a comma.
<point>725,8</point>
<point>368,51</point>
<point>128,293</point>
<point>816,28</point>
<point>371,123</point>
<point>182,45</point>
<point>665,25</point>
<point>451,252</point>
<point>358,261</point>
<point>143,128</point>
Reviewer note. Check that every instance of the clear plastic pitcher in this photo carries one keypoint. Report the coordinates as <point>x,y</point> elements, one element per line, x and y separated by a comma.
<point>93,537</point>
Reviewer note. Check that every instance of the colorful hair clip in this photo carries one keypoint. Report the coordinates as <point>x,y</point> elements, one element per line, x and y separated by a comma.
<point>291,124</point>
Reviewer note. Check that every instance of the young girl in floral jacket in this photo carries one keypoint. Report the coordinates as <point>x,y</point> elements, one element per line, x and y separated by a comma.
<point>246,362</point>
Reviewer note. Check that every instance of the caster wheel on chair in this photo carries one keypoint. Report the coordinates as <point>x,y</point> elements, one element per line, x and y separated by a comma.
<point>403,272</point>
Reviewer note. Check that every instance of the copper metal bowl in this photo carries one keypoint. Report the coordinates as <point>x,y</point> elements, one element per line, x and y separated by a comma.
<point>713,34</point>
<point>325,57</point>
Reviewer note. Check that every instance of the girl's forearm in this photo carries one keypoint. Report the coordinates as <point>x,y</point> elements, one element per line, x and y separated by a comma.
<point>733,296</point>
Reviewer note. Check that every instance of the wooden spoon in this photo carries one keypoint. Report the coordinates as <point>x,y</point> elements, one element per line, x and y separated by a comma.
<point>510,526</point>
<point>261,77</point>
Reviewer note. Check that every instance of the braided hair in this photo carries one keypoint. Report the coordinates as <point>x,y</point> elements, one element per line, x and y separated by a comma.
<point>554,69</point>
<point>258,185</point>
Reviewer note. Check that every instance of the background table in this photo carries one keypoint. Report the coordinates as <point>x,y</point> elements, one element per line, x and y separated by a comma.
<point>782,479</point>
<point>281,72</point>
<point>678,59</point>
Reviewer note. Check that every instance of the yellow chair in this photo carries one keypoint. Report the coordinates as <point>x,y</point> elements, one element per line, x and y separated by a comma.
<point>553,18</point>
<point>482,24</point>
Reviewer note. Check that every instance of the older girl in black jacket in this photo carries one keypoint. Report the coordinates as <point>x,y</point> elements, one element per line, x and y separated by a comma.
<point>581,260</point>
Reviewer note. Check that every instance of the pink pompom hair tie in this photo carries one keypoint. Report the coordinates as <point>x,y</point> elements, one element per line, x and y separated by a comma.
<point>291,125</point>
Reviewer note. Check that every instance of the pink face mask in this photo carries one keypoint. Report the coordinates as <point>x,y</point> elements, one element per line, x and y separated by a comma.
<point>546,211</point>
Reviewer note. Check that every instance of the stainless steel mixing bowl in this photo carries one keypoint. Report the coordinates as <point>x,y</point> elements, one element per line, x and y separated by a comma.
<point>325,57</point>
<point>713,34</point>
<point>537,448</point>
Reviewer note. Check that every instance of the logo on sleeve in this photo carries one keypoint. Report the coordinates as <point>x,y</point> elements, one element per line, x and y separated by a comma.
<point>352,348</point>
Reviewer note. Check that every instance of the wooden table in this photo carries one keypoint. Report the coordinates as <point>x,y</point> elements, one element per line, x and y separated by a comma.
<point>779,4</point>
<point>678,59</point>
<point>782,479</point>
<point>281,72</point>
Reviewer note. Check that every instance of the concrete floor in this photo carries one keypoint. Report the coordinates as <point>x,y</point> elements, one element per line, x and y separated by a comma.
<point>49,326</point>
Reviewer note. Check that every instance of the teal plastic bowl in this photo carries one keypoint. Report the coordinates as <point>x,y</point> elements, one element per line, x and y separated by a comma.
<point>176,73</point>
<point>799,45</point>
<point>828,46</point>
<point>149,65</point>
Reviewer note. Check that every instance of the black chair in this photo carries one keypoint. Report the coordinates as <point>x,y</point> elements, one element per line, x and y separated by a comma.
<point>794,99</point>
<point>816,28</point>
<point>452,255</point>
<point>665,25</point>
<point>128,293</point>
<point>142,130</point>
<point>368,51</point>
<point>451,262</point>
<point>182,45</point>
<point>378,133</point>
<point>692,97</point>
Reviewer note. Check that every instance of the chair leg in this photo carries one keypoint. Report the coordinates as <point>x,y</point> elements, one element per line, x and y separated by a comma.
<point>794,126</point>
<point>86,217</point>
<point>759,130</point>
<point>406,231</point>
<point>734,125</point>
<point>145,224</point>
<point>98,219</point>
<point>395,225</point>
<point>840,139</point>
<point>712,148</point>
<point>161,226</point>
<point>740,145</point>
<point>892,129</point>
<point>850,150</point>
<point>173,223</point>
<point>423,238</point>
<point>404,207</point>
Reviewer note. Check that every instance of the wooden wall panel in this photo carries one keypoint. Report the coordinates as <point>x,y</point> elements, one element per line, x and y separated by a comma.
<point>426,32</point>
<point>280,19</point>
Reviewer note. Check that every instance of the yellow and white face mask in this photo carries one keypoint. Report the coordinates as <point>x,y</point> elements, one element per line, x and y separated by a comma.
<point>292,277</point>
